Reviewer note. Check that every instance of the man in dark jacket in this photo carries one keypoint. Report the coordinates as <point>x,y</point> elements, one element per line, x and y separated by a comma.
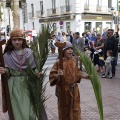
<point>111,44</point>
<point>79,43</point>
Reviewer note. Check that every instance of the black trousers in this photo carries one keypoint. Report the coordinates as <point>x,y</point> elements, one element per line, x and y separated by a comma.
<point>114,63</point>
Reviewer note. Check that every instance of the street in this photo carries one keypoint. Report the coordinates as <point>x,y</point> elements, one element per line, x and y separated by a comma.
<point>110,94</point>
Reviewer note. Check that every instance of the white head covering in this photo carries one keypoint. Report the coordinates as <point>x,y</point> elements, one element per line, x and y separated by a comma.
<point>68,45</point>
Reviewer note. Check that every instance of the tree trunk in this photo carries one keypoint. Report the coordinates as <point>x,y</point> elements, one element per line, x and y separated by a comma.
<point>16,14</point>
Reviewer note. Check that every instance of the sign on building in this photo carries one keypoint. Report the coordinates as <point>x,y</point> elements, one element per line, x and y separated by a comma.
<point>24,12</point>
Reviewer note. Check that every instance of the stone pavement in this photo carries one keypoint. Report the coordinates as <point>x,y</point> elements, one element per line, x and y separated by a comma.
<point>110,95</point>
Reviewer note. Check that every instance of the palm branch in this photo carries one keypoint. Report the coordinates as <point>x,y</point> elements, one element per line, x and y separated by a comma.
<point>36,86</point>
<point>91,71</point>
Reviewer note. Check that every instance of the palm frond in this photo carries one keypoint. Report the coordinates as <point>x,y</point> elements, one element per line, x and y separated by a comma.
<point>36,86</point>
<point>91,71</point>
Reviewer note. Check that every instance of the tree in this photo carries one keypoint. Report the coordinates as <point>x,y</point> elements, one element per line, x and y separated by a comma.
<point>36,86</point>
<point>16,14</point>
<point>93,76</point>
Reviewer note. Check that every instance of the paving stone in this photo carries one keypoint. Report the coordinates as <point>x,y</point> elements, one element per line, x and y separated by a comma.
<point>110,93</point>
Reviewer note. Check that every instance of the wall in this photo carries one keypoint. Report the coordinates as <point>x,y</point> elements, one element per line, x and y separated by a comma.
<point>77,8</point>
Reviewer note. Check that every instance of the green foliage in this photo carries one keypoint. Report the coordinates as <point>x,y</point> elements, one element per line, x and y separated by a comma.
<point>36,86</point>
<point>91,71</point>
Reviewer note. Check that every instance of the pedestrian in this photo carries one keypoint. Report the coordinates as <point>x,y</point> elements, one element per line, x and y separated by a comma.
<point>28,40</point>
<point>87,51</point>
<point>108,65</point>
<point>86,43</point>
<point>79,43</point>
<point>34,34</point>
<point>116,35</point>
<point>64,38</point>
<point>98,48</point>
<point>91,42</point>
<point>104,35</point>
<point>72,76</point>
<point>15,54</point>
<point>69,37</point>
<point>7,37</point>
<point>59,37</point>
<point>111,44</point>
<point>52,44</point>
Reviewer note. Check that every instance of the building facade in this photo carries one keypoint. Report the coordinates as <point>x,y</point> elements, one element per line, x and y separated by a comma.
<point>71,15</point>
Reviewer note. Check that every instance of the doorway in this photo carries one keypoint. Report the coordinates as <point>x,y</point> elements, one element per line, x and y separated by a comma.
<point>87,26</point>
<point>99,27</point>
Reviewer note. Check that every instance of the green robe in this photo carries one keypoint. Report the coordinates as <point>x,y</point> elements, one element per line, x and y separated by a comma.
<point>22,108</point>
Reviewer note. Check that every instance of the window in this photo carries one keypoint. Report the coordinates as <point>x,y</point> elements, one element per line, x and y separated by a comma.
<point>67,2</point>
<point>99,3</point>
<point>99,27</point>
<point>54,27</point>
<point>53,4</point>
<point>68,27</point>
<point>87,26</point>
<point>42,26</point>
<point>41,5</point>
<point>32,7</point>
<point>87,2</point>
<point>33,24</point>
<point>109,3</point>
<point>108,25</point>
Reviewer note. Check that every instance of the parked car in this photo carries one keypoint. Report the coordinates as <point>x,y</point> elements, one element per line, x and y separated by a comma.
<point>28,36</point>
<point>29,33</point>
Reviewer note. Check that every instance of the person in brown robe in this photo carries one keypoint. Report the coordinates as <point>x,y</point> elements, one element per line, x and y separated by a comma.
<point>72,76</point>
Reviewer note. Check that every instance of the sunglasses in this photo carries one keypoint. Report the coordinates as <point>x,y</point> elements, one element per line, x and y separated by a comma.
<point>98,35</point>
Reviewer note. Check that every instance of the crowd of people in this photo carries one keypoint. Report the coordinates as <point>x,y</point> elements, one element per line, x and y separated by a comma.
<point>102,49</point>
<point>95,45</point>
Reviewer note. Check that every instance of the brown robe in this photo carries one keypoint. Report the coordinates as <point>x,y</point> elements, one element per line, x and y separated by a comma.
<point>72,76</point>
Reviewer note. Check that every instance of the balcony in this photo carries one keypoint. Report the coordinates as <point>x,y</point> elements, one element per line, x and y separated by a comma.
<point>65,9</point>
<point>40,13</point>
<point>31,15</point>
<point>96,9</point>
<point>86,7</point>
<point>52,12</point>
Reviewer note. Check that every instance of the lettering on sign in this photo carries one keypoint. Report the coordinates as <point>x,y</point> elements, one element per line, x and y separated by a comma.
<point>99,18</point>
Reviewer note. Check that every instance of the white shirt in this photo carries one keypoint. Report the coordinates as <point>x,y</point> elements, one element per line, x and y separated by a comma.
<point>34,33</point>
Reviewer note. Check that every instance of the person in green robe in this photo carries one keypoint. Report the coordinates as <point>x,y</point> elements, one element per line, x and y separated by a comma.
<point>15,54</point>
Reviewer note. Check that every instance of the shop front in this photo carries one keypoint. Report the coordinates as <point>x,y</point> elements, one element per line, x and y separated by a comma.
<point>97,22</point>
<point>65,27</point>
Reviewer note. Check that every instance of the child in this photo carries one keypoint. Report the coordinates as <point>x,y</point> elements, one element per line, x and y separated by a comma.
<point>15,54</point>
<point>87,51</point>
<point>72,76</point>
<point>108,66</point>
